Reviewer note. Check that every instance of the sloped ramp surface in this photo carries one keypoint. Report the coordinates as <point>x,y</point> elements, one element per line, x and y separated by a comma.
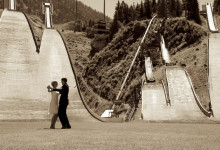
<point>18,69</point>
<point>154,107</point>
<point>24,74</point>
<point>54,65</point>
<point>210,18</point>
<point>181,95</point>
<point>214,73</point>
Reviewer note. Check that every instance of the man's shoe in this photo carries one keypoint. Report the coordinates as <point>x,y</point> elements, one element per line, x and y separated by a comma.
<point>64,127</point>
<point>68,127</point>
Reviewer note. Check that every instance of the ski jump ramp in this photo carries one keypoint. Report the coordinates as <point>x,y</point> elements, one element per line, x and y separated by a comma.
<point>18,67</point>
<point>210,18</point>
<point>154,107</point>
<point>181,95</point>
<point>25,74</point>
<point>214,73</point>
<point>55,64</point>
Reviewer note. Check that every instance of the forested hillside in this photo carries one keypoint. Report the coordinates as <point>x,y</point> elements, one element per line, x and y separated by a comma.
<point>64,10</point>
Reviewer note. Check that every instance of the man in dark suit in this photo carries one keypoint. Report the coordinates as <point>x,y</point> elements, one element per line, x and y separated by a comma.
<point>64,102</point>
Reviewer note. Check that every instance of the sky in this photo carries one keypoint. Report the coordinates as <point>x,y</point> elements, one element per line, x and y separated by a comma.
<point>110,4</point>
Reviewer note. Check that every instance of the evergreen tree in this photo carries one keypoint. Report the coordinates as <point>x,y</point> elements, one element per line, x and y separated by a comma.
<point>148,11</point>
<point>142,10</point>
<point>127,14</point>
<point>154,6</point>
<point>179,8</point>
<point>138,10</point>
<point>172,8</point>
<point>132,13</point>
<point>193,11</point>
<point>162,9</point>
<point>216,5</point>
<point>114,26</point>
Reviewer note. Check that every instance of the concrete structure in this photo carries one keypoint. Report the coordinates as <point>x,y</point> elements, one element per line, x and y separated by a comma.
<point>54,65</point>
<point>149,70</point>
<point>210,18</point>
<point>9,4</point>
<point>25,74</point>
<point>48,11</point>
<point>181,95</point>
<point>164,51</point>
<point>214,73</point>
<point>154,107</point>
<point>19,68</point>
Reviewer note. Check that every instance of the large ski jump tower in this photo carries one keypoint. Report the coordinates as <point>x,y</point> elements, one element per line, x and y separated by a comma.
<point>47,10</point>
<point>10,4</point>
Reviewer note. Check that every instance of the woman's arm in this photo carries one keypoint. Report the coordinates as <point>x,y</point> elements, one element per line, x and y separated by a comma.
<point>49,88</point>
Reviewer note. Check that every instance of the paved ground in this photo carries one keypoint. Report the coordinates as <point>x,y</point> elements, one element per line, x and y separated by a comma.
<point>110,136</point>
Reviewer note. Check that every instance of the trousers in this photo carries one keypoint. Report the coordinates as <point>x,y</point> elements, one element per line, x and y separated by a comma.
<point>63,116</point>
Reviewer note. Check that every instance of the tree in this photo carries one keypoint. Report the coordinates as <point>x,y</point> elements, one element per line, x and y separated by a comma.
<point>132,13</point>
<point>148,11</point>
<point>216,5</point>
<point>142,10</point>
<point>179,8</point>
<point>114,26</point>
<point>138,10</point>
<point>162,9</point>
<point>193,11</point>
<point>154,6</point>
<point>172,8</point>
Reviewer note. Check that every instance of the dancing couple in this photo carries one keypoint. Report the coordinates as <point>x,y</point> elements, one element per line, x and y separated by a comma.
<point>63,103</point>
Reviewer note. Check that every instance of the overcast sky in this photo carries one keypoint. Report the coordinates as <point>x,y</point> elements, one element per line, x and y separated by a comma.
<point>110,4</point>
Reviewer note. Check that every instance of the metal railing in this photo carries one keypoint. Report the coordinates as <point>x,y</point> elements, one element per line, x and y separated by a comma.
<point>206,112</point>
<point>129,114</point>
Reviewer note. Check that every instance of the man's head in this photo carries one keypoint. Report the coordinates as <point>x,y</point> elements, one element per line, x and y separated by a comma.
<point>64,81</point>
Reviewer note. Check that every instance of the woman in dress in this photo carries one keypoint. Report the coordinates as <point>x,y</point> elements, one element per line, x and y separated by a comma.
<point>53,104</point>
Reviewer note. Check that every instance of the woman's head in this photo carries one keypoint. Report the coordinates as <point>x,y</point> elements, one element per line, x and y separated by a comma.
<point>54,84</point>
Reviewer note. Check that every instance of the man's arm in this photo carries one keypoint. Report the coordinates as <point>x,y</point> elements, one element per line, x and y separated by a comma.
<point>58,90</point>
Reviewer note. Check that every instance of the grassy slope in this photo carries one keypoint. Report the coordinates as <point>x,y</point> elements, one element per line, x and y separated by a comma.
<point>186,42</point>
<point>110,136</point>
<point>37,26</point>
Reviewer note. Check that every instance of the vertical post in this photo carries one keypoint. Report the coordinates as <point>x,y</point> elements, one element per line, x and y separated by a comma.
<point>104,10</point>
<point>76,9</point>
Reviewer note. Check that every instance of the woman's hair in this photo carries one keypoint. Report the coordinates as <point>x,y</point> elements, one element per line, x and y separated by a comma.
<point>54,83</point>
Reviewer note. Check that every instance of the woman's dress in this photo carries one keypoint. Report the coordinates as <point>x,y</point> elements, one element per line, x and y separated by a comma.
<point>54,103</point>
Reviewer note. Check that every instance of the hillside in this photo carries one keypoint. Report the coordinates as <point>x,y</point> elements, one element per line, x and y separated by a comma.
<point>186,41</point>
<point>64,10</point>
<point>187,45</point>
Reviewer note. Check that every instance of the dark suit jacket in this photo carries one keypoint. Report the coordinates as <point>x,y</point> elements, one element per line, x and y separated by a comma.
<point>64,91</point>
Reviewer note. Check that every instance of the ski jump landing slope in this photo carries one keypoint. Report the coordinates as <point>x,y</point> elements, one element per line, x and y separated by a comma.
<point>154,107</point>
<point>24,74</point>
<point>54,65</point>
<point>18,68</point>
<point>210,18</point>
<point>214,73</point>
<point>181,95</point>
